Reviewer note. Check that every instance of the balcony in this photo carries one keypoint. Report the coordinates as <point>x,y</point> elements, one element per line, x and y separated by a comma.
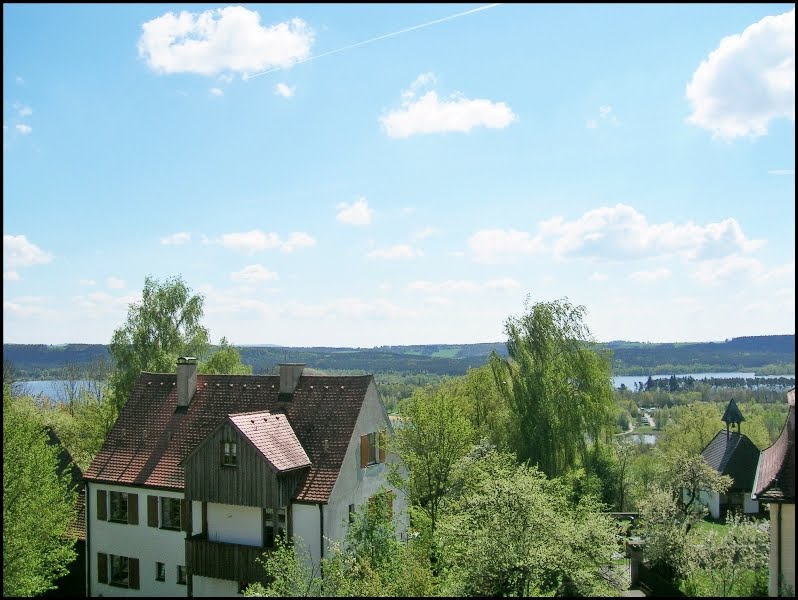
<point>222,560</point>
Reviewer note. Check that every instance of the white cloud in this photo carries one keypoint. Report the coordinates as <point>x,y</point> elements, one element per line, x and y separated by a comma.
<point>217,92</point>
<point>428,114</point>
<point>424,233</point>
<point>394,252</point>
<point>357,213</point>
<point>785,172</point>
<point>19,252</point>
<point>20,80</point>
<point>87,282</point>
<point>620,232</point>
<point>284,90</point>
<point>462,286</point>
<point>24,111</point>
<point>23,129</point>
<point>235,302</point>
<point>115,283</point>
<point>605,114</point>
<point>27,307</point>
<point>349,308</point>
<point>99,304</point>
<point>502,246</point>
<point>742,270</point>
<point>408,210</point>
<point>222,39</point>
<point>225,78</point>
<point>747,81</point>
<point>253,241</point>
<point>650,276</point>
<point>591,123</point>
<point>456,253</point>
<point>253,274</point>
<point>596,276</point>
<point>176,239</point>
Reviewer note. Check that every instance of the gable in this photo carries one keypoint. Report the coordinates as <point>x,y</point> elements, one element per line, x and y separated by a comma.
<point>734,455</point>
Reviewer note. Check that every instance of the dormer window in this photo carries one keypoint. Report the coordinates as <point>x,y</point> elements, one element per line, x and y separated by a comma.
<point>229,454</point>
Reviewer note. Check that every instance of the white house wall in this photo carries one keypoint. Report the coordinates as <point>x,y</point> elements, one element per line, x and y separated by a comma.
<point>148,544</point>
<point>235,524</point>
<point>355,485</point>
<point>787,546</point>
<point>305,525</point>
<point>210,587</point>
<point>750,506</point>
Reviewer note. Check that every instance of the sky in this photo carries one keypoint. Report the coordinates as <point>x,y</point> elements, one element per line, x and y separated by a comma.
<point>361,175</point>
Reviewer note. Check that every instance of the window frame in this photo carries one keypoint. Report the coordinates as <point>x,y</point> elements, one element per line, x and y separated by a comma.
<point>164,502</point>
<point>181,570</point>
<point>276,522</point>
<point>160,571</point>
<point>229,453</point>
<point>114,507</point>
<point>115,563</point>
<point>374,450</point>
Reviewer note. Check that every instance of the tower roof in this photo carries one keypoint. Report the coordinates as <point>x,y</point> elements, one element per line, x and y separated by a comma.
<point>732,414</point>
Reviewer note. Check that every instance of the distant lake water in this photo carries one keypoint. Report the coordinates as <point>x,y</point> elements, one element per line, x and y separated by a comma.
<point>49,388</point>
<point>629,380</point>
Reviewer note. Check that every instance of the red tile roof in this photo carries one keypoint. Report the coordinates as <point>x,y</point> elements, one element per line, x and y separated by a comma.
<point>274,438</point>
<point>775,474</point>
<point>150,439</point>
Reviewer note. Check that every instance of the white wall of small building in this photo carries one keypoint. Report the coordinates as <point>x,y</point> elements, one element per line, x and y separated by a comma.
<point>305,530</point>
<point>709,499</point>
<point>148,544</point>
<point>787,541</point>
<point>750,506</point>
<point>235,524</point>
<point>211,587</point>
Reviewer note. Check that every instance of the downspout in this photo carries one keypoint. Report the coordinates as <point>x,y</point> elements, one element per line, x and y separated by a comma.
<point>88,542</point>
<point>321,532</point>
<point>778,554</point>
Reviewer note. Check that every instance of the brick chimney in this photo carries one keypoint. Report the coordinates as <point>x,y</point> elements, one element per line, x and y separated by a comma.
<point>289,377</point>
<point>186,379</point>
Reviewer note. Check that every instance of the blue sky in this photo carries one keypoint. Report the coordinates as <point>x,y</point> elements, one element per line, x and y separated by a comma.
<point>415,188</point>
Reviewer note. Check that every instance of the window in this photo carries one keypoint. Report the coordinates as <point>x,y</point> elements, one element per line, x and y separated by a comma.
<point>170,513</point>
<point>274,523</point>
<point>351,513</point>
<point>229,451</point>
<point>372,449</point>
<point>118,507</point>
<point>119,570</point>
<point>160,571</point>
<point>181,574</point>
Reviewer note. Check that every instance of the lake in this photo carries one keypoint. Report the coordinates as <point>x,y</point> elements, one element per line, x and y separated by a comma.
<point>49,388</point>
<point>629,380</point>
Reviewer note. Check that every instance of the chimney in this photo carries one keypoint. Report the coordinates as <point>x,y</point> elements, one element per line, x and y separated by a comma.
<point>186,379</point>
<point>289,377</point>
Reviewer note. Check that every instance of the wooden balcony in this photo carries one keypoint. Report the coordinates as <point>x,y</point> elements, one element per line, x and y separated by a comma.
<point>222,560</point>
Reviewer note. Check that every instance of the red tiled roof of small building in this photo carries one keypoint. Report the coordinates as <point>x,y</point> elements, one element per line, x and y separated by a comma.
<point>775,474</point>
<point>274,438</point>
<point>150,438</point>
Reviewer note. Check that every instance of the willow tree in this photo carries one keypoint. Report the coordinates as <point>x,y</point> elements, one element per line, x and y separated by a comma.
<point>166,324</point>
<point>557,384</point>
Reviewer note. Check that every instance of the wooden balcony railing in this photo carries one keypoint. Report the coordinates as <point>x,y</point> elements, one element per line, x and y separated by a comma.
<point>222,560</point>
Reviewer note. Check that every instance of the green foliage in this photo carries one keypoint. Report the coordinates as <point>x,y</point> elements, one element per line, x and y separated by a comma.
<point>557,385</point>
<point>433,435</point>
<point>38,506</point>
<point>718,563</point>
<point>511,531</point>
<point>288,571</point>
<point>696,426</point>
<point>226,360</point>
<point>166,324</point>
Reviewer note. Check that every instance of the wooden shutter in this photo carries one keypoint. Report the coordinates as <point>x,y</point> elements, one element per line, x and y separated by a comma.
<point>133,573</point>
<point>133,509</point>
<point>364,451</point>
<point>102,506</point>
<point>390,505</point>
<point>382,440</point>
<point>185,515</point>
<point>152,511</point>
<point>102,567</point>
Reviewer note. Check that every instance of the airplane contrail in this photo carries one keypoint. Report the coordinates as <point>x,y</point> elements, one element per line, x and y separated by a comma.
<point>381,37</point>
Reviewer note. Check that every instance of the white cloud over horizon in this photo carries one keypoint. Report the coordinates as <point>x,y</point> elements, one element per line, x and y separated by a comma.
<point>253,274</point>
<point>502,246</point>
<point>250,242</point>
<point>281,89</point>
<point>651,276</point>
<point>176,239</point>
<point>223,39</point>
<point>747,81</point>
<point>429,114</point>
<point>399,251</point>
<point>24,129</point>
<point>18,253</point>
<point>115,283</point>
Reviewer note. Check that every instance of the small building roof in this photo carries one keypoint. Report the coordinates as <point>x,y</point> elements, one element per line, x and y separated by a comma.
<point>733,454</point>
<point>273,436</point>
<point>732,414</point>
<point>775,473</point>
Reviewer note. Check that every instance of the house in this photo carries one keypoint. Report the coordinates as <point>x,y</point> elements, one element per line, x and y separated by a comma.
<point>775,484</point>
<point>200,473</point>
<point>732,453</point>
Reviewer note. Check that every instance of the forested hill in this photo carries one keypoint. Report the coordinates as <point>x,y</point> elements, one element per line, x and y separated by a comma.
<point>762,354</point>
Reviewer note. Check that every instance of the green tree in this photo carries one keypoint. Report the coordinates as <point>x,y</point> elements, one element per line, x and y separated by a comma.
<point>166,324</point>
<point>38,506</point>
<point>557,384</point>
<point>691,429</point>
<point>432,436</point>
<point>226,360</point>
<point>722,559</point>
